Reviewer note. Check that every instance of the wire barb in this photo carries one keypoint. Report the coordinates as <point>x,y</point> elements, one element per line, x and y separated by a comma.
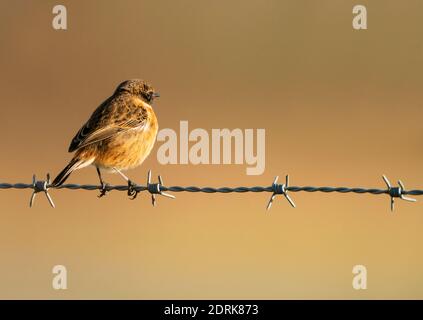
<point>396,192</point>
<point>280,189</point>
<point>155,188</point>
<point>41,186</point>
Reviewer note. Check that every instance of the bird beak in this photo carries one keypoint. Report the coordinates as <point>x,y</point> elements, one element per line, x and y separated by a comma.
<point>156,95</point>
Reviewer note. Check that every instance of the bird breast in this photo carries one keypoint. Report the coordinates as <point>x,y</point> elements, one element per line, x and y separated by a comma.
<point>128,149</point>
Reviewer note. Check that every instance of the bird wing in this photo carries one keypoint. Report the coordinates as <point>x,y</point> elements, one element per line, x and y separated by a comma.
<point>103,123</point>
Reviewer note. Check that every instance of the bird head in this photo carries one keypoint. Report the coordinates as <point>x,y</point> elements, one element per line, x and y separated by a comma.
<point>139,88</point>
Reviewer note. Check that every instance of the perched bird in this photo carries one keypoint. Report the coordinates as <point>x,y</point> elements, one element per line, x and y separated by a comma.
<point>118,136</point>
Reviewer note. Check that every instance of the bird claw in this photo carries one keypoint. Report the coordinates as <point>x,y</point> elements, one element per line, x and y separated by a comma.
<point>132,192</point>
<point>103,190</point>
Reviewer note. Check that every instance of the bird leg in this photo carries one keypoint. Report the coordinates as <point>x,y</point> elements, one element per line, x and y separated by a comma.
<point>132,191</point>
<point>103,190</point>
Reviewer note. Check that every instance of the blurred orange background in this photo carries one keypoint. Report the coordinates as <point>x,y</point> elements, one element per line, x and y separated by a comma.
<point>340,107</point>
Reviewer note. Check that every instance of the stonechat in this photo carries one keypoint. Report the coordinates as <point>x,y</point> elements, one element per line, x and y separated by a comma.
<point>118,136</point>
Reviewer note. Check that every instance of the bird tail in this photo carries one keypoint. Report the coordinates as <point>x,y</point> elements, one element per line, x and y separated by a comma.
<point>74,164</point>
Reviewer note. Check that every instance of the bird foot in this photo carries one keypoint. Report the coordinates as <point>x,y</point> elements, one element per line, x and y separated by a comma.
<point>132,192</point>
<point>103,190</point>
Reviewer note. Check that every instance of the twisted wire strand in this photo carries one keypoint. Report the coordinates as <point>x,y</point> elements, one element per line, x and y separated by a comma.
<point>141,188</point>
<point>160,189</point>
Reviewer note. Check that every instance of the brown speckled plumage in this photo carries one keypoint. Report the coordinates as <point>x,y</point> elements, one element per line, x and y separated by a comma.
<point>119,134</point>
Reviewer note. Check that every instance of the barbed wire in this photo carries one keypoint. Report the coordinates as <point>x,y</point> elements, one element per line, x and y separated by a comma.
<point>160,189</point>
